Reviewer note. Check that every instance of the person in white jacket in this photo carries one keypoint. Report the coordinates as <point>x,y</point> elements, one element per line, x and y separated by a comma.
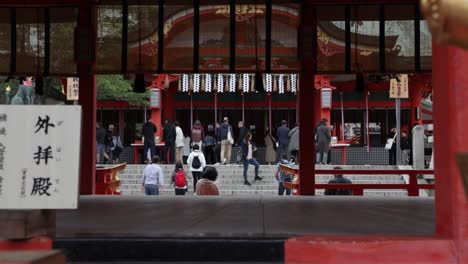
<point>179,143</point>
<point>196,161</point>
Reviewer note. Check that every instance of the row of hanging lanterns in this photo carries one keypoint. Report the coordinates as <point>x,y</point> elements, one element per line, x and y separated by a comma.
<point>232,83</point>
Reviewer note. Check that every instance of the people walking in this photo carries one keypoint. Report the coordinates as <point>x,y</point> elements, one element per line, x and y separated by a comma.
<point>294,142</point>
<point>149,129</point>
<point>100,143</point>
<point>179,179</point>
<point>242,132</point>
<point>198,134</point>
<point>392,151</point>
<point>217,148</point>
<point>270,144</point>
<point>405,148</point>
<point>196,161</point>
<point>247,158</point>
<point>227,139</point>
<point>282,177</point>
<point>323,136</point>
<point>169,136</point>
<point>283,140</point>
<point>152,179</point>
<point>209,148</point>
<point>207,185</point>
<point>117,147</point>
<point>186,149</point>
<point>179,143</point>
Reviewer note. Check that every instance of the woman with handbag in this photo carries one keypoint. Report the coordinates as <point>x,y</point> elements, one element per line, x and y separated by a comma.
<point>247,157</point>
<point>270,143</point>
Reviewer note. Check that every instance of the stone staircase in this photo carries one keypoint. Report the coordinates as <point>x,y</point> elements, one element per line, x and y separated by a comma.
<point>230,180</point>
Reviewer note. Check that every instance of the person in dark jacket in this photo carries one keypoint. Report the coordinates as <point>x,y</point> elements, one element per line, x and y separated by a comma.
<point>100,143</point>
<point>149,129</point>
<point>169,136</point>
<point>282,137</point>
<point>323,142</point>
<point>405,148</point>
<point>242,132</point>
<point>217,148</point>
<point>339,179</point>
<point>247,158</point>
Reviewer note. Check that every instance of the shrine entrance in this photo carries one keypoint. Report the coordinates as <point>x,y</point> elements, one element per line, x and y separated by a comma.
<point>110,54</point>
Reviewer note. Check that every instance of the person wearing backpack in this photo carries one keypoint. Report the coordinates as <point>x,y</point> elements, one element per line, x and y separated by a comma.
<point>339,179</point>
<point>179,179</point>
<point>198,134</point>
<point>282,177</point>
<point>196,161</point>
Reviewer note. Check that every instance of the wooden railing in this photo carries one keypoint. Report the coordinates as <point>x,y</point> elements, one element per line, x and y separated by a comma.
<point>412,187</point>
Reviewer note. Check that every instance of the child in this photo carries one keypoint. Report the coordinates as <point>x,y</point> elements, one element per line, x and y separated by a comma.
<point>179,180</point>
<point>196,161</point>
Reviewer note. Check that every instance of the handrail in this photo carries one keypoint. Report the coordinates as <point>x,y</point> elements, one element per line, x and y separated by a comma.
<point>358,189</point>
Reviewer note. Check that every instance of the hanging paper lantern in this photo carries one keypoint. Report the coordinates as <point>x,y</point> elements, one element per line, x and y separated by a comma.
<point>185,83</point>
<point>208,83</point>
<point>293,83</point>
<point>281,84</point>
<point>232,83</point>
<point>269,83</point>
<point>196,83</point>
<point>245,83</point>
<point>220,83</point>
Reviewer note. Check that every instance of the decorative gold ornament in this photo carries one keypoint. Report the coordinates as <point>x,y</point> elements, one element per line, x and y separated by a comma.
<point>243,12</point>
<point>448,21</point>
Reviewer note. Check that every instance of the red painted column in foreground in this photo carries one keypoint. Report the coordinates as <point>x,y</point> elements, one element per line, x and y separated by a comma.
<point>449,244</point>
<point>88,96</point>
<point>450,82</point>
<point>308,33</point>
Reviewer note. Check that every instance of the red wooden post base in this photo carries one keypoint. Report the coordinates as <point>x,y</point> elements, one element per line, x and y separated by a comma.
<point>37,243</point>
<point>368,250</point>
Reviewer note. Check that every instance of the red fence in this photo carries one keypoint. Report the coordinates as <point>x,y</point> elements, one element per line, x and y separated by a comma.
<point>412,187</point>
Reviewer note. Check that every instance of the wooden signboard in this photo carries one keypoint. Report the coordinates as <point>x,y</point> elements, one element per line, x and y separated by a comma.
<point>399,88</point>
<point>39,156</point>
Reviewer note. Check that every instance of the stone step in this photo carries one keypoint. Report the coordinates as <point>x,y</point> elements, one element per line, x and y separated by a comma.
<point>271,177</point>
<point>239,181</point>
<point>170,192</point>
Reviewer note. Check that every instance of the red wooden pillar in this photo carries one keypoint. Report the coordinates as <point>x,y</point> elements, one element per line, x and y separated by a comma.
<point>450,81</point>
<point>169,102</point>
<point>88,94</point>
<point>308,33</point>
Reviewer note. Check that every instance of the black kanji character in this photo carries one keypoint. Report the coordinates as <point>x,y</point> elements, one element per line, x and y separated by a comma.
<point>43,124</point>
<point>44,154</point>
<point>41,186</point>
<point>3,117</point>
<point>3,131</point>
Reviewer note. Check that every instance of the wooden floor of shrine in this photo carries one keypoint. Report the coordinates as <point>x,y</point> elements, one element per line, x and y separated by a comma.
<point>130,229</point>
<point>244,217</point>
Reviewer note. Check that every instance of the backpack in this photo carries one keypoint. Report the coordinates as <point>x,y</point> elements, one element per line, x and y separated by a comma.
<point>180,179</point>
<point>108,141</point>
<point>196,135</point>
<point>196,164</point>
